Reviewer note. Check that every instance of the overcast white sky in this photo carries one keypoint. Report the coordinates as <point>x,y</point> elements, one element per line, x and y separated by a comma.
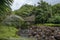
<point>18,3</point>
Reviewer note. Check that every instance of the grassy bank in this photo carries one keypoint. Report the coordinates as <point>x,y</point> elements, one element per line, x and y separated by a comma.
<point>49,24</point>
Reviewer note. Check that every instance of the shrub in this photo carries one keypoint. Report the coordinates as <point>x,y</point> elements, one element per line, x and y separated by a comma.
<point>7,32</point>
<point>24,25</point>
<point>54,19</point>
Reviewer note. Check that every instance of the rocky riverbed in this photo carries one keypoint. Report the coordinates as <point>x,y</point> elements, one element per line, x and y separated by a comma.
<point>41,33</point>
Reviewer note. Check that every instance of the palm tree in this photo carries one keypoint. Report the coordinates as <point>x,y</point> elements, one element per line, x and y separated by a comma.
<point>5,4</point>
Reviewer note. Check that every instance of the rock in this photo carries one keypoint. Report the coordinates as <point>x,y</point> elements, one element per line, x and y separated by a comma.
<point>44,33</point>
<point>57,37</point>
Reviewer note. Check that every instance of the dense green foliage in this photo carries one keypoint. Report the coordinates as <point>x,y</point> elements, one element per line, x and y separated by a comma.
<point>9,21</point>
<point>24,11</point>
<point>13,20</point>
<point>7,32</point>
<point>44,12</point>
<point>5,4</point>
<point>5,8</point>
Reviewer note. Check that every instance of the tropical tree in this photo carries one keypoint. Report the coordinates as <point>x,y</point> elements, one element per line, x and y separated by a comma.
<point>56,9</point>
<point>42,12</point>
<point>5,8</point>
<point>24,11</point>
<point>55,14</point>
<point>5,4</point>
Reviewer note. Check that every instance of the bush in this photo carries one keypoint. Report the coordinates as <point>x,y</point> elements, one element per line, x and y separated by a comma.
<point>54,19</point>
<point>13,20</point>
<point>7,32</point>
<point>25,25</point>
